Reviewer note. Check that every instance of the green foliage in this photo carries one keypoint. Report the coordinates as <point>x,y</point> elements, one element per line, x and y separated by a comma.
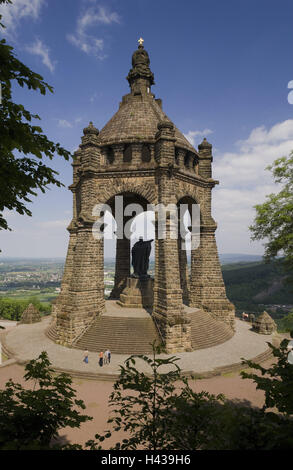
<point>153,413</point>
<point>240,426</point>
<point>276,381</point>
<point>11,309</point>
<point>286,323</point>
<point>274,218</point>
<point>160,411</point>
<point>20,175</point>
<point>31,418</point>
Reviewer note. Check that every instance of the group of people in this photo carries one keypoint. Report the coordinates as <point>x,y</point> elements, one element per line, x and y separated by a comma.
<point>104,357</point>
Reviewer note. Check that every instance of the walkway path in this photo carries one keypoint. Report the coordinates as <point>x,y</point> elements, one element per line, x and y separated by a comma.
<point>25,342</point>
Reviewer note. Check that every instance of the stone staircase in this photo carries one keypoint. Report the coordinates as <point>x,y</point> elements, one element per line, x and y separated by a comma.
<point>122,335</point>
<point>51,332</point>
<point>206,331</point>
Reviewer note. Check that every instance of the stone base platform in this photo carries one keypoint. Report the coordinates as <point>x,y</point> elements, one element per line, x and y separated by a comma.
<point>138,293</point>
<point>25,342</point>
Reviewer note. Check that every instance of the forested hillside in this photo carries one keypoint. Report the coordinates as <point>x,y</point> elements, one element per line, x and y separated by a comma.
<point>252,285</point>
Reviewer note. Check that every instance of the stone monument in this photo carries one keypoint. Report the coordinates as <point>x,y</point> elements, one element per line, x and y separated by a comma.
<point>264,324</point>
<point>30,315</point>
<point>141,155</point>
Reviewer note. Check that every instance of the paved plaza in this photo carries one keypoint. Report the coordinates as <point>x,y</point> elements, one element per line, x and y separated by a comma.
<point>26,342</point>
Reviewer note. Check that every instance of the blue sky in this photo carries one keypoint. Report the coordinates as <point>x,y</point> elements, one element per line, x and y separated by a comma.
<point>221,68</point>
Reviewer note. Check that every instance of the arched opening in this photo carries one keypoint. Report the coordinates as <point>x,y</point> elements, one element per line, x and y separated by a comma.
<point>145,153</point>
<point>110,155</point>
<point>143,227</point>
<point>125,224</point>
<point>188,240</point>
<point>127,153</point>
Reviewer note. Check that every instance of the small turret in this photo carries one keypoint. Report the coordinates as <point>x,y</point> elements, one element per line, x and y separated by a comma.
<point>205,159</point>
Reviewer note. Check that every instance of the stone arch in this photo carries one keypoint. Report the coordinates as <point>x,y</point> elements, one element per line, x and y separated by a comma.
<point>145,190</point>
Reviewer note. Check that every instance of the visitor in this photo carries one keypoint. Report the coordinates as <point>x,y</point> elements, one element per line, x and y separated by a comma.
<point>101,358</point>
<point>107,356</point>
<point>86,356</point>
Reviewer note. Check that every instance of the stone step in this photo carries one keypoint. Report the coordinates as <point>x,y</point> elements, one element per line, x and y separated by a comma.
<point>206,331</point>
<point>122,335</point>
<point>51,332</point>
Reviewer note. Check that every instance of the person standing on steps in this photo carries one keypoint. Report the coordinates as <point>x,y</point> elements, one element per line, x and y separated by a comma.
<point>101,358</point>
<point>109,356</point>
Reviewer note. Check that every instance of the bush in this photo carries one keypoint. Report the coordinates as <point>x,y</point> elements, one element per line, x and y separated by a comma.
<point>31,418</point>
<point>157,414</point>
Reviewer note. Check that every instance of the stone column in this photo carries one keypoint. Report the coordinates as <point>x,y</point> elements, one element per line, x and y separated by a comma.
<point>152,150</point>
<point>118,154</point>
<point>63,298</point>
<point>181,156</point>
<point>85,299</point>
<point>207,288</point>
<point>136,154</point>
<point>122,267</point>
<point>168,308</point>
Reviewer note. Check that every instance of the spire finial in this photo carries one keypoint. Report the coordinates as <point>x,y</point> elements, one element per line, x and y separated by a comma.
<point>140,68</point>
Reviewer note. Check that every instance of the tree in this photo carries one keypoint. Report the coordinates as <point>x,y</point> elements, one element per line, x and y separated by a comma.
<point>274,218</point>
<point>31,418</point>
<point>150,410</point>
<point>276,381</point>
<point>20,174</point>
<point>160,411</point>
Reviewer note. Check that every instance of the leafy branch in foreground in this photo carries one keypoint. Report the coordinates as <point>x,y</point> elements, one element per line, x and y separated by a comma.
<point>153,411</point>
<point>276,381</point>
<point>31,418</point>
<point>20,175</point>
<point>160,411</point>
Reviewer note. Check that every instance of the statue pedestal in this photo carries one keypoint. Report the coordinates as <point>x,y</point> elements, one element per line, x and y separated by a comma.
<point>138,293</point>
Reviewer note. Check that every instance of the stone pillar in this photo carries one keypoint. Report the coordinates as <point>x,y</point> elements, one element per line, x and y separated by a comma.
<point>181,156</point>
<point>85,292</point>
<point>168,309</point>
<point>136,154</point>
<point>122,267</point>
<point>63,298</point>
<point>152,151</point>
<point>118,154</point>
<point>207,288</point>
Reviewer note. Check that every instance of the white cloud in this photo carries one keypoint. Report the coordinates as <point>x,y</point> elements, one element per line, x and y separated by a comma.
<point>191,135</point>
<point>244,182</point>
<point>68,124</point>
<point>64,123</point>
<point>86,42</point>
<point>13,13</point>
<point>40,49</point>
